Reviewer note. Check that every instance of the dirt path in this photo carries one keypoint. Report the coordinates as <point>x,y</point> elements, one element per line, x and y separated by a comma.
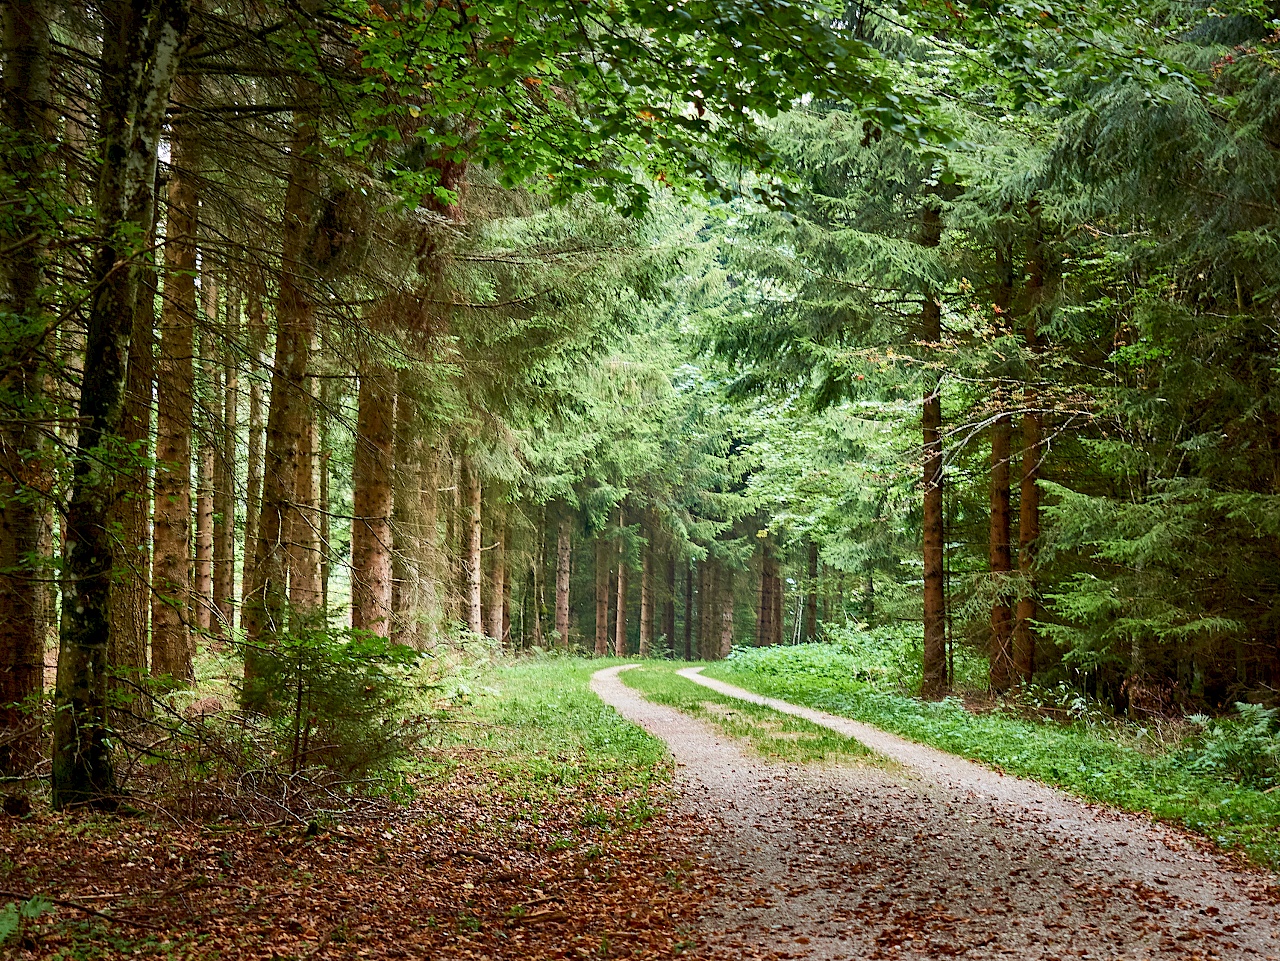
<point>940,858</point>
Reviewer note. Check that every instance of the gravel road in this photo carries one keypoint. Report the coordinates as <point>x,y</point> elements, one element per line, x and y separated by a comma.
<point>932,856</point>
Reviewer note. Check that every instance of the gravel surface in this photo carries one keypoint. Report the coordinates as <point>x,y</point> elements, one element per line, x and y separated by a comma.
<point>935,857</point>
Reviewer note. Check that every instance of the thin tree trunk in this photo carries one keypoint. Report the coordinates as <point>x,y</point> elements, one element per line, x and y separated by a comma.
<point>779,617</point>
<point>323,520</point>
<point>171,601</point>
<point>498,578</point>
<point>1000,654</point>
<point>708,639</point>
<point>372,503</point>
<point>726,613</point>
<point>646,599</point>
<point>264,609</point>
<point>24,478</point>
<point>224,483</point>
<point>688,611</point>
<point>620,634</point>
<point>811,595</point>
<point>764,599</point>
<point>141,48</point>
<point>935,604</point>
<point>669,604</point>
<point>475,545</point>
<point>253,469</point>
<point>304,539</point>
<point>211,391</point>
<point>603,554</point>
<point>1024,634</point>
<point>563,547</point>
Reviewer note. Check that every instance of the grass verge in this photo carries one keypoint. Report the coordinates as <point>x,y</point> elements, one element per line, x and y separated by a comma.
<point>768,732</point>
<point>1108,763</point>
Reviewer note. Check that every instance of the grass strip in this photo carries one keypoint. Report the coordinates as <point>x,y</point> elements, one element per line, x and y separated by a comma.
<point>1097,763</point>
<point>769,733</point>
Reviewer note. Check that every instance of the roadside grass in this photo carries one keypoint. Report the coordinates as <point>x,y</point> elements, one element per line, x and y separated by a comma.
<point>768,732</point>
<point>1117,763</point>
<point>533,732</point>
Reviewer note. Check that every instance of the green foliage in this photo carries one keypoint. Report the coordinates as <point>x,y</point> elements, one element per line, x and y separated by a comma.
<point>338,698</point>
<point>1245,749</point>
<point>1118,763</point>
<point>13,917</point>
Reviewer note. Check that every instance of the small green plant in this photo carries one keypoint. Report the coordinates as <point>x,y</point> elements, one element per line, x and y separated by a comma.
<point>1245,749</point>
<point>14,917</point>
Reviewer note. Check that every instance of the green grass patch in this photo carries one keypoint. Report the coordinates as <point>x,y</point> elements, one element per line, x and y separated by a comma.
<point>1115,763</point>
<point>768,732</point>
<point>533,730</point>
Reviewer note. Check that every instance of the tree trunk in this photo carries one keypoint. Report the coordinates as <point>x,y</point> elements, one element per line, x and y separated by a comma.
<point>811,595</point>
<point>304,539</point>
<point>171,601</point>
<point>646,600</point>
<point>24,476</point>
<point>603,554</point>
<point>708,635</point>
<point>935,604</point>
<point>263,614</point>
<point>620,634</point>
<point>688,611</point>
<point>669,604</point>
<point>764,599</point>
<point>562,581</point>
<point>473,497</point>
<point>1024,634</point>
<point>372,502</point>
<point>211,392</point>
<point>324,527</point>
<point>224,484</point>
<point>253,469</point>
<point>779,617</point>
<point>726,614</point>
<point>1000,653</point>
<point>498,579</point>
<point>140,52</point>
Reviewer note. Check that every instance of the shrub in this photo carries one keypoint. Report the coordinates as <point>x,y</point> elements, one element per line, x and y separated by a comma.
<point>1244,749</point>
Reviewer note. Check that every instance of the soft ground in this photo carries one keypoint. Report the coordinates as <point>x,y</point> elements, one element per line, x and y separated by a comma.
<point>932,856</point>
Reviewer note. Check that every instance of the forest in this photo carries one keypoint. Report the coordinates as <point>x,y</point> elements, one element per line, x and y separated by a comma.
<point>372,373</point>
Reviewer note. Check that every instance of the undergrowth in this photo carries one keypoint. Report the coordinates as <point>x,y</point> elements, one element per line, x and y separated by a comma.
<point>1106,760</point>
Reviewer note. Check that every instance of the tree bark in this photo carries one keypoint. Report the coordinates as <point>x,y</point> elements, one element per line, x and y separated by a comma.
<point>24,475</point>
<point>646,600</point>
<point>1024,633</point>
<point>372,502</point>
<point>473,497</point>
<point>603,555</point>
<point>253,470</point>
<point>498,578</point>
<point>224,484</point>
<point>142,45</point>
<point>264,610</point>
<point>1000,653</point>
<point>211,391</point>
<point>688,611</point>
<point>669,603</point>
<point>620,634</point>
<point>726,613</point>
<point>171,601</point>
<point>304,540</point>
<point>811,595</point>
<point>563,546</point>
<point>935,604</point>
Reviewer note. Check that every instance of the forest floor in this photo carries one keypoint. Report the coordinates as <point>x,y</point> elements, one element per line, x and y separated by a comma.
<point>933,856</point>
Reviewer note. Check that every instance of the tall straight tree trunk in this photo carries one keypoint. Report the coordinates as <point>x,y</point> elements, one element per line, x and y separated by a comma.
<point>171,601</point>
<point>603,557</point>
<point>764,599</point>
<point>935,603</point>
<point>256,431</point>
<point>688,611</point>
<point>498,578</point>
<point>372,502</point>
<point>563,550</point>
<point>473,498</point>
<point>646,599</point>
<point>779,618</point>
<point>1024,635</point>
<point>620,634</point>
<point>304,541</point>
<point>24,479</point>
<point>224,483</point>
<point>211,390</point>
<point>141,48</point>
<point>264,609</point>
<point>324,527</point>
<point>708,635</point>
<point>1000,654</point>
<point>726,613</point>
<point>811,595</point>
<point>669,603</point>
